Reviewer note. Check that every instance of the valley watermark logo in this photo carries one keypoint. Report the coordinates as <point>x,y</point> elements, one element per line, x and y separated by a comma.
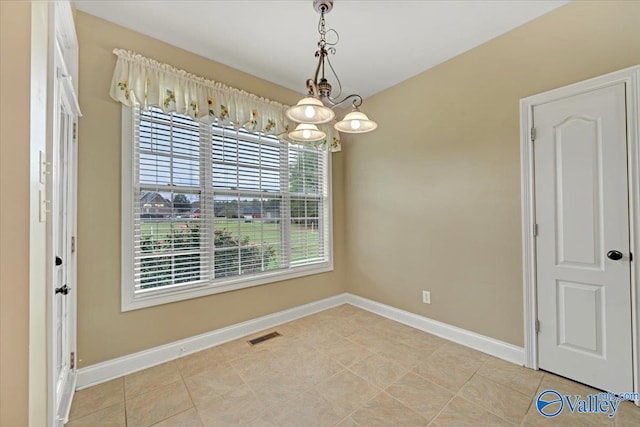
<point>551,403</point>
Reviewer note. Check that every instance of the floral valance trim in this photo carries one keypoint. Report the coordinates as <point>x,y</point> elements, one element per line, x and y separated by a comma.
<point>138,80</point>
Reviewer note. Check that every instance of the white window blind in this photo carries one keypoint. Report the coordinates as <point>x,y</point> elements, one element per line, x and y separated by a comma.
<point>214,206</point>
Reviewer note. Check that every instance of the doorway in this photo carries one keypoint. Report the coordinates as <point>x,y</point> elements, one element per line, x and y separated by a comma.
<point>580,221</point>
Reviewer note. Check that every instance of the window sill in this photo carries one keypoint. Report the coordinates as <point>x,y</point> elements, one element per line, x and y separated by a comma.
<point>135,302</point>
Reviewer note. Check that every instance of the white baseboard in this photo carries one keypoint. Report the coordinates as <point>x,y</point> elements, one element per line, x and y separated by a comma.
<point>494,347</point>
<point>115,368</point>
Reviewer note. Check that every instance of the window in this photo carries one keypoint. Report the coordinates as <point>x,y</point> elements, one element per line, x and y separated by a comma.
<point>209,209</point>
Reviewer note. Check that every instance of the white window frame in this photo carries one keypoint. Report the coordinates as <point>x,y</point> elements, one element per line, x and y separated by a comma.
<point>131,301</point>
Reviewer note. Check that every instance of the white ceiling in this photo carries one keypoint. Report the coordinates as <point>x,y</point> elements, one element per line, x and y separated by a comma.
<point>381,42</point>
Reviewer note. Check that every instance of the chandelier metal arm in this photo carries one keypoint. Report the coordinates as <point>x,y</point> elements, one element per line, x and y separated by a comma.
<point>357,101</point>
<point>321,54</point>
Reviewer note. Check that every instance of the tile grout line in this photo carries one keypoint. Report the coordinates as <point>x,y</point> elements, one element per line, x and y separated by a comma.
<point>481,406</point>
<point>400,402</point>
<point>100,409</point>
<point>530,397</point>
<point>453,394</point>
<point>365,403</point>
<point>124,398</point>
<point>193,404</point>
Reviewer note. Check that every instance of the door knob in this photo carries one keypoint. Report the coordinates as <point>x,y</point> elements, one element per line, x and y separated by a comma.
<point>64,290</point>
<point>58,261</point>
<point>614,255</point>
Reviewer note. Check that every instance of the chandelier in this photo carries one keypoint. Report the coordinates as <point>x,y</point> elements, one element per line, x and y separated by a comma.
<point>317,107</point>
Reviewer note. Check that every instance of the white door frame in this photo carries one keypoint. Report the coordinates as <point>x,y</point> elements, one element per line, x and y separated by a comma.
<point>631,78</point>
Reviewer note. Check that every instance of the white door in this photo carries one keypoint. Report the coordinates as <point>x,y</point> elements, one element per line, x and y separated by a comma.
<point>583,260</point>
<point>62,220</point>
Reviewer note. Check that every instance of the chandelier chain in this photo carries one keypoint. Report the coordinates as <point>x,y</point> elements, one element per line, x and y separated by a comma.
<point>322,30</point>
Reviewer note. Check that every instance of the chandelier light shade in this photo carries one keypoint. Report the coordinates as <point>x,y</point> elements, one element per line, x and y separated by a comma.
<point>310,110</point>
<point>356,122</point>
<point>305,132</point>
<point>317,107</point>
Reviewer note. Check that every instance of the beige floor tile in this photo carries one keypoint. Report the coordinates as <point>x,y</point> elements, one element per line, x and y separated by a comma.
<point>344,351</point>
<point>157,405</point>
<point>234,349</point>
<point>291,329</point>
<point>196,363</point>
<point>509,374</point>
<point>316,318</point>
<point>370,339</point>
<point>627,415</point>
<point>313,369</point>
<point>235,408</point>
<point>346,392</point>
<point>451,366</point>
<point>379,370</point>
<point>321,338</point>
<point>255,365</point>
<point>217,380</point>
<point>344,326</point>
<point>290,349</point>
<point>423,396</point>
<point>384,411</point>
<point>187,418</point>
<point>97,397</point>
<point>461,354</point>
<point>261,422</point>
<point>347,422</point>
<point>149,379</point>
<point>508,404</point>
<point>444,373</point>
<point>391,329</point>
<point>407,356</point>
<point>366,318</point>
<point>461,413</point>
<point>344,310</point>
<point>276,388</point>
<point>112,416</point>
<point>315,334</point>
<point>419,339</point>
<point>309,409</point>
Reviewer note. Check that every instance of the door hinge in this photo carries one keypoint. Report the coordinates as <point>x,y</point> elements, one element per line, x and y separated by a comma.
<point>533,134</point>
<point>73,360</point>
<point>630,256</point>
<point>74,130</point>
<point>73,244</point>
<point>535,229</point>
<point>537,326</point>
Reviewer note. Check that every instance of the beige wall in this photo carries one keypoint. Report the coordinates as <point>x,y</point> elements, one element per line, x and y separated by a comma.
<point>103,331</point>
<point>433,197</point>
<point>15,39</point>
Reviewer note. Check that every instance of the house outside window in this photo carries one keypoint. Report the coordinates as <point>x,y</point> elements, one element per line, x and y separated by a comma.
<point>208,209</point>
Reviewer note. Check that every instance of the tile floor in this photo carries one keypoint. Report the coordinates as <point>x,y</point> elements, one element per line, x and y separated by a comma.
<point>344,367</point>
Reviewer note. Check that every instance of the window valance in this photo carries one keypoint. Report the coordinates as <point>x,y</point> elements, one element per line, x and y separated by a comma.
<point>138,80</point>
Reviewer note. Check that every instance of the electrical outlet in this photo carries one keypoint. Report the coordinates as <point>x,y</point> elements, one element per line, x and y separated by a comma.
<point>426,297</point>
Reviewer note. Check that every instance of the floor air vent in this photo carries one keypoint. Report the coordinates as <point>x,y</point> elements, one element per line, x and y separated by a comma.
<point>263,338</point>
